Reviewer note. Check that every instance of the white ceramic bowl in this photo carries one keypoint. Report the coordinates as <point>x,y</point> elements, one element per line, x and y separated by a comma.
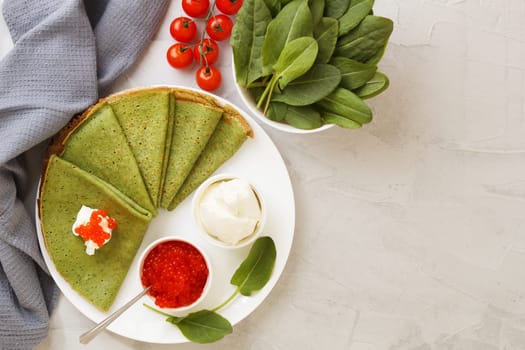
<point>248,100</point>
<point>196,212</point>
<point>206,288</point>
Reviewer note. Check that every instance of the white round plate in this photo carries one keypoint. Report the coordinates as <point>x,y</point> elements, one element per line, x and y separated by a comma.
<point>258,161</point>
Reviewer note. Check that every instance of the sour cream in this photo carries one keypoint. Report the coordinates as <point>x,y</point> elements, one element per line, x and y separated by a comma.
<point>229,210</point>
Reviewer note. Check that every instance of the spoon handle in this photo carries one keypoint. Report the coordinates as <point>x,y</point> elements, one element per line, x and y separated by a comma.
<point>93,332</point>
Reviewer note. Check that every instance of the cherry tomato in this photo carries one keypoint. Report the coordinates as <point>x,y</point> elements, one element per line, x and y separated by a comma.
<point>208,78</point>
<point>229,7</point>
<point>196,8</point>
<point>179,55</point>
<point>183,29</point>
<point>219,27</point>
<point>206,51</point>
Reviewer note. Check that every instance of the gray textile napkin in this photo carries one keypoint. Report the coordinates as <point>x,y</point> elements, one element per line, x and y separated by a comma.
<point>66,53</point>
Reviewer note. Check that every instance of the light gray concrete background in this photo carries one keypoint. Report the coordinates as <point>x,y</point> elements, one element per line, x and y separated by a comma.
<point>410,233</point>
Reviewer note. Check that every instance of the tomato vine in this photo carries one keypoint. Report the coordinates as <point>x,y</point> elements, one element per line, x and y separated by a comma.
<point>202,50</point>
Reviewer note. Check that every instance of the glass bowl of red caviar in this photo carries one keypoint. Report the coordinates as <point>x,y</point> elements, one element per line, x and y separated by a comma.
<point>177,272</point>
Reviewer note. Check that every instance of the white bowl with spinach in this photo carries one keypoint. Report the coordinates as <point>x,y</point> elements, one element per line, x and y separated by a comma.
<point>305,65</point>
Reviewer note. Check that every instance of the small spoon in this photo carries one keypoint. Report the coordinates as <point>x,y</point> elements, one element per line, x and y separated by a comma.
<point>93,332</point>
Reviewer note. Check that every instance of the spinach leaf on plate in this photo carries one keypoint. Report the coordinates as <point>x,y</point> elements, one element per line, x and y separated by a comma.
<point>255,271</point>
<point>203,326</point>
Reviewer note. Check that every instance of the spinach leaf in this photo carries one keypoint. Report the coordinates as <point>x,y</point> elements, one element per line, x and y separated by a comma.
<point>294,21</point>
<point>326,34</point>
<point>303,117</point>
<point>255,271</point>
<point>311,87</point>
<point>331,118</point>
<point>358,10</point>
<point>317,10</point>
<point>374,86</point>
<point>287,53</point>
<point>277,111</point>
<point>203,326</point>
<point>346,104</point>
<point>296,59</point>
<point>336,8</point>
<point>256,92</point>
<point>377,57</point>
<point>247,39</point>
<point>366,40</point>
<point>274,6</point>
<point>353,73</point>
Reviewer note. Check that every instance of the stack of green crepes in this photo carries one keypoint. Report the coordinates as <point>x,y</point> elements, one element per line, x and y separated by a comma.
<point>129,154</point>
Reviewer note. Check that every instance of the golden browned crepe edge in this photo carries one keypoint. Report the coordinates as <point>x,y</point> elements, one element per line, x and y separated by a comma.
<point>180,94</point>
<point>58,141</point>
<point>231,113</point>
<point>130,92</point>
<point>56,145</point>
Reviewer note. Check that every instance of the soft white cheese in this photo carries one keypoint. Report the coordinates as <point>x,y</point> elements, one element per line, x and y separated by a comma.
<point>229,210</point>
<point>83,218</point>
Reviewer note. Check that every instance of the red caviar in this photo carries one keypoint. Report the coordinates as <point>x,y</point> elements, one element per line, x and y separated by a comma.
<point>92,231</point>
<point>176,272</point>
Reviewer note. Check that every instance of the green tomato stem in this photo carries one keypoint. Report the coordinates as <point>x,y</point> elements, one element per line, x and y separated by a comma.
<point>202,54</point>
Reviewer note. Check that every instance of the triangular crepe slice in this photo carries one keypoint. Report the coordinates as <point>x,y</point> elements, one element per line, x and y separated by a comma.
<point>229,135</point>
<point>144,115</point>
<point>64,189</point>
<point>96,143</point>
<point>195,121</point>
<point>167,144</point>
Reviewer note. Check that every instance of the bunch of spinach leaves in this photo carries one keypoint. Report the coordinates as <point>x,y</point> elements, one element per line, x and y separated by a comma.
<point>207,326</point>
<point>311,62</point>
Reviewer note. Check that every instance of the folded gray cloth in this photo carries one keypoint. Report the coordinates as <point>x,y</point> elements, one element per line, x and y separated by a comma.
<point>66,53</point>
